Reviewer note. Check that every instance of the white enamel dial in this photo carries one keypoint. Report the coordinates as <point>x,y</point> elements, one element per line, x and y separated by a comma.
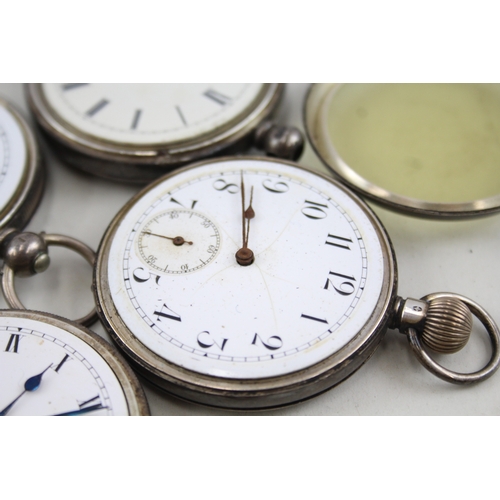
<point>46,369</point>
<point>316,280</point>
<point>13,157</point>
<point>145,114</point>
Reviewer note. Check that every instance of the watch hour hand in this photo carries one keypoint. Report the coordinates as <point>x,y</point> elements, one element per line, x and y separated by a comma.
<point>31,384</point>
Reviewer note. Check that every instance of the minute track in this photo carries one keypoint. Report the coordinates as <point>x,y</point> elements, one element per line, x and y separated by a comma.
<point>219,201</point>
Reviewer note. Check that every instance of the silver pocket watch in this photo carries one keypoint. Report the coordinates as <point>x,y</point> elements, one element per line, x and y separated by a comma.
<point>49,365</point>
<point>253,283</point>
<point>21,171</point>
<point>52,366</point>
<point>137,132</point>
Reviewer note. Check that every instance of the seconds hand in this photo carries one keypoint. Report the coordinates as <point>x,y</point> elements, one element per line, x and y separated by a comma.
<point>177,241</point>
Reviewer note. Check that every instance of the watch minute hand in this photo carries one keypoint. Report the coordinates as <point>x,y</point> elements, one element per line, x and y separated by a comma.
<point>244,256</point>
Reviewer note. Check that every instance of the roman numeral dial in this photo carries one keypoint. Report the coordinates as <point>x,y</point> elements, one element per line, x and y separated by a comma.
<point>150,113</point>
<point>50,367</point>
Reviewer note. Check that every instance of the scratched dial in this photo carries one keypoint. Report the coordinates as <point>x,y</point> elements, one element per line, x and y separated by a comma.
<point>317,275</point>
<point>50,367</point>
<point>150,113</point>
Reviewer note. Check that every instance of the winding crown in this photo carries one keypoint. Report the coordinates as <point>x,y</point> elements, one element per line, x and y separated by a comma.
<point>448,325</point>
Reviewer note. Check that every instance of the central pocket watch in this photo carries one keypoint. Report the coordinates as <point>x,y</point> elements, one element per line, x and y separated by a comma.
<point>256,283</point>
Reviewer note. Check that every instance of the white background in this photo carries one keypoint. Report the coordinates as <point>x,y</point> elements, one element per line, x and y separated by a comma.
<point>458,256</point>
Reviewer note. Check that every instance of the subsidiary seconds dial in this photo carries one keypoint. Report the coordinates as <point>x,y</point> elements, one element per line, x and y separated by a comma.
<point>178,241</point>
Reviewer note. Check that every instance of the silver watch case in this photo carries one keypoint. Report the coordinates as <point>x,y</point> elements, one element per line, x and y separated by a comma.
<point>132,390</point>
<point>254,394</point>
<point>19,210</point>
<point>140,164</point>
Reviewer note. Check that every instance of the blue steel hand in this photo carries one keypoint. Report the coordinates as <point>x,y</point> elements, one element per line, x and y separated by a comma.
<point>31,384</point>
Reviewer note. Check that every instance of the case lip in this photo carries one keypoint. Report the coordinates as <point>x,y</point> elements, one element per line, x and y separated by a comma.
<point>255,394</point>
<point>347,175</point>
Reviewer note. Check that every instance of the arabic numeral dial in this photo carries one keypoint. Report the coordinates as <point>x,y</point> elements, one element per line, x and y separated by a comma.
<point>178,241</point>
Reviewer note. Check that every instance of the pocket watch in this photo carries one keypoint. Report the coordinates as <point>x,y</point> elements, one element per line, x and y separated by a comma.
<point>136,132</point>
<point>429,150</point>
<point>21,172</point>
<point>257,283</point>
<point>21,187</point>
<point>51,366</point>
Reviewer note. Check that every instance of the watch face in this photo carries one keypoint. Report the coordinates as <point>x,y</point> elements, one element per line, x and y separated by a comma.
<point>13,157</point>
<point>148,114</point>
<point>320,266</point>
<point>49,367</point>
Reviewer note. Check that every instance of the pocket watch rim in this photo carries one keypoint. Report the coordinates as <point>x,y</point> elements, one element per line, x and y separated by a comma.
<point>154,154</point>
<point>263,393</point>
<point>23,204</point>
<point>399,203</point>
<point>134,394</point>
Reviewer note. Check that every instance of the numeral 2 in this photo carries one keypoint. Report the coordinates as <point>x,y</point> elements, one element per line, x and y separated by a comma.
<point>272,343</point>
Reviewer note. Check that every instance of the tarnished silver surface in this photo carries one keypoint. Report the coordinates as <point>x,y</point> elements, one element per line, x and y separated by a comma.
<point>8,272</point>
<point>279,141</point>
<point>22,207</point>
<point>410,313</point>
<point>448,325</point>
<point>25,253</point>
<point>140,164</point>
<point>449,375</point>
